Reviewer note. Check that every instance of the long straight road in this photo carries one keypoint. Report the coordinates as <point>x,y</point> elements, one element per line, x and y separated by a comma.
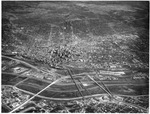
<point>60,85</point>
<point>34,96</point>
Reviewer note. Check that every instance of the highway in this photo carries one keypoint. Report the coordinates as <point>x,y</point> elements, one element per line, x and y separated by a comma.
<point>59,84</point>
<point>90,83</point>
<point>34,96</point>
<point>69,99</point>
<point>34,67</point>
<point>21,62</point>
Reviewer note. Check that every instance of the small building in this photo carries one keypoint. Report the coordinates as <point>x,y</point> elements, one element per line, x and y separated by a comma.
<point>15,104</point>
<point>19,69</point>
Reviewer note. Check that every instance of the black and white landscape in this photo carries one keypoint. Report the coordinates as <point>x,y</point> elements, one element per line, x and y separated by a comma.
<point>75,57</point>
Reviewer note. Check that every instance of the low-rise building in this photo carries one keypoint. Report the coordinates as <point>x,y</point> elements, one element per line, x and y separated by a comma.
<point>19,69</point>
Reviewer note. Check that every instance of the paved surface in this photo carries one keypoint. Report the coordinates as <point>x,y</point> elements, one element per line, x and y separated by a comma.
<point>100,33</point>
<point>90,83</point>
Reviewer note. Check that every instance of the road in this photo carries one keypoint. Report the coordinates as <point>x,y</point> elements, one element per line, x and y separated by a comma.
<point>34,96</point>
<point>69,99</point>
<point>58,80</point>
<point>108,83</point>
<point>59,99</point>
<point>21,62</point>
<point>87,85</point>
<point>32,66</point>
<point>75,98</point>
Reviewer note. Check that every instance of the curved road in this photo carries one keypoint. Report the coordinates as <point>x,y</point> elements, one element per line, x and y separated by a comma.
<point>34,96</point>
<point>37,94</point>
<point>96,95</point>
